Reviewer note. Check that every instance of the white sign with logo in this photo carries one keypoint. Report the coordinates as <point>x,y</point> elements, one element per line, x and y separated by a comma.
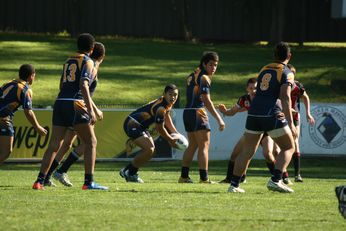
<point>327,137</point>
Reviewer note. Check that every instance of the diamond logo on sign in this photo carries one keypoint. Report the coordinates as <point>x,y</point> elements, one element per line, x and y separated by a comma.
<point>330,129</point>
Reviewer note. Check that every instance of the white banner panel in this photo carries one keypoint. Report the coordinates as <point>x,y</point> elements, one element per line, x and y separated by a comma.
<point>327,137</point>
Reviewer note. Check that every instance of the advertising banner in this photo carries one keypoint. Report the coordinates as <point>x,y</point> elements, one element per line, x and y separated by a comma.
<point>112,141</point>
<point>326,137</point>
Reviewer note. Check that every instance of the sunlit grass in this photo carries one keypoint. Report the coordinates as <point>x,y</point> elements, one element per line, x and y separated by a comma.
<point>163,204</point>
<point>136,70</point>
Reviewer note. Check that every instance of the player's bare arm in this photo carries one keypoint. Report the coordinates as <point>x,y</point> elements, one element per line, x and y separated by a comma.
<point>210,107</point>
<point>306,101</point>
<point>30,115</point>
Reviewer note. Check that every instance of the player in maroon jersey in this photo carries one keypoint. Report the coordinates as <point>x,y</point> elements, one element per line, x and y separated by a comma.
<point>298,92</point>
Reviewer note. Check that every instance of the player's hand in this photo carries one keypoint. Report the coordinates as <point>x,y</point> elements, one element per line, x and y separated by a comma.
<point>5,121</point>
<point>310,119</point>
<point>280,116</point>
<point>41,130</point>
<point>99,114</point>
<point>173,142</point>
<point>221,125</point>
<point>92,117</point>
<point>222,108</point>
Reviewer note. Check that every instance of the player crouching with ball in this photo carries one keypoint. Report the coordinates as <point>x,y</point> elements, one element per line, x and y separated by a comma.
<point>137,123</point>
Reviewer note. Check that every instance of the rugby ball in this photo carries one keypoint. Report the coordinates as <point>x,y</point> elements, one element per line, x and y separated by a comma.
<point>182,142</point>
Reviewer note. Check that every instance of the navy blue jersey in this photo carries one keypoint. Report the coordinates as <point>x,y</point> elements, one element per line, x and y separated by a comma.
<point>74,71</point>
<point>153,112</point>
<point>269,82</point>
<point>14,94</point>
<point>197,84</point>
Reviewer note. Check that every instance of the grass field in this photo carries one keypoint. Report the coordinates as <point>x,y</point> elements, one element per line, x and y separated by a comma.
<point>163,204</point>
<point>135,71</point>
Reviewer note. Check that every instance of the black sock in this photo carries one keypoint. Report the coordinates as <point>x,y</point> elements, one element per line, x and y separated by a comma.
<point>230,169</point>
<point>54,165</point>
<point>271,167</point>
<point>203,174</point>
<point>70,160</point>
<point>185,172</point>
<point>296,163</point>
<point>88,179</point>
<point>40,178</point>
<point>277,176</point>
<point>132,169</point>
<point>235,181</point>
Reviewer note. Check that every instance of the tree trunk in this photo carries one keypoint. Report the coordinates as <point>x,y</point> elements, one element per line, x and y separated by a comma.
<point>277,24</point>
<point>181,8</point>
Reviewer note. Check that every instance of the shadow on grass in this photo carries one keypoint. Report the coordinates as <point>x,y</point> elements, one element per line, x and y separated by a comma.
<point>317,167</point>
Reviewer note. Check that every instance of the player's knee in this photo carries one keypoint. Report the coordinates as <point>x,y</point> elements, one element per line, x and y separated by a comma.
<point>150,150</point>
<point>5,154</point>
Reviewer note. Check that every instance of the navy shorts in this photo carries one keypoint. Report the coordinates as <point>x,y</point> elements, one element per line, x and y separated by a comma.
<point>195,119</point>
<point>259,125</point>
<point>81,115</point>
<point>6,127</point>
<point>134,129</point>
<point>63,113</point>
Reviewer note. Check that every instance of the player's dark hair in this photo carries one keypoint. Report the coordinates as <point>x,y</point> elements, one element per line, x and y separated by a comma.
<point>25,71</point>
<point>99,51</point>
<point>251,80</point>
<point>282,51</point>
<point>85,42</point>
<point>207,56</point>
<point>170,87</point>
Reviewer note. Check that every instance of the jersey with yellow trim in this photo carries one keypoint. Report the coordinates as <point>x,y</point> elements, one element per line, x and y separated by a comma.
<point>269,82</point>
<point>14,94</point>
<point>197,84</point>
<point>153,112</point>
<point>74,71</point>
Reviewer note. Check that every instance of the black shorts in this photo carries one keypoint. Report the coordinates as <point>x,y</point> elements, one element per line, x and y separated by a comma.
<point>63,113</point>
<point>258,125</point>
<point>6,127</point>
<point>134,129</point>
<point>81,115</point>
<point>196,119</point>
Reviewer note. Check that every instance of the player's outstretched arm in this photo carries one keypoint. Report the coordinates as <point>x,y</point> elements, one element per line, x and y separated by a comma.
<point>230,112</point>
<point>30,115</point>
<point>306,101</point>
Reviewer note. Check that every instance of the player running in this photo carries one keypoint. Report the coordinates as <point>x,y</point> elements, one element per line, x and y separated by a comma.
<point>267,143</point>
<point>61,173</point>
<point>73,108</point>
<point>298,92</point>
<point>274,82</point>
